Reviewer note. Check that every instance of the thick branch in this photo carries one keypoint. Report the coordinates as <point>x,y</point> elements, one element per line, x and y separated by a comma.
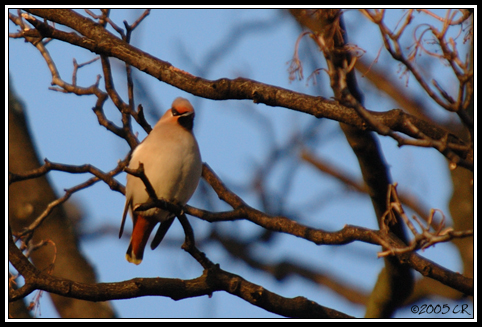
<point>346,235</point>
<point>95,38</point>
<point>212,280</point>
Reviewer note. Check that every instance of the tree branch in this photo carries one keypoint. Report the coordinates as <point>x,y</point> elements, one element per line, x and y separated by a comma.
<point>212,280</point>
<point>95,38</point>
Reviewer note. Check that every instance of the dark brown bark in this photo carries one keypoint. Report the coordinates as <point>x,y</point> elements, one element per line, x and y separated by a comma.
<point>96,38</point>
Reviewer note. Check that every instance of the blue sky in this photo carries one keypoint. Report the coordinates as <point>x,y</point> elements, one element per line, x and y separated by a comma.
<point>234,137</point>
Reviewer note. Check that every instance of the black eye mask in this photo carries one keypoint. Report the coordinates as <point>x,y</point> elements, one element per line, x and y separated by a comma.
<point>186,119</point>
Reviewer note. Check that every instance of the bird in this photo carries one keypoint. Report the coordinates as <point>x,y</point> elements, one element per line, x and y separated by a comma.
<point>172,164</point>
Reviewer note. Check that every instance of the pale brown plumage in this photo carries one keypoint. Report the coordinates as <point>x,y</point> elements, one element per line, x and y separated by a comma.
<point>173,165</point>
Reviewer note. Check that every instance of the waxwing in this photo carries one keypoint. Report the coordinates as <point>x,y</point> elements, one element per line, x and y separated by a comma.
<point>173,165</point>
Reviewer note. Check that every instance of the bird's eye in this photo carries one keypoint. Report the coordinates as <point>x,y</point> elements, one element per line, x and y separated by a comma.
<point>175,112</point>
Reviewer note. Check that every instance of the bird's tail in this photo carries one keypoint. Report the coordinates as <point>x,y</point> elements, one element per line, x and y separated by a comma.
<point>140,234</point>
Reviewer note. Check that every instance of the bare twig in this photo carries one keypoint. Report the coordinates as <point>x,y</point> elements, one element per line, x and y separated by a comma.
<point>427,237</point>
<point>108,178</point>
<point>449,53</point>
